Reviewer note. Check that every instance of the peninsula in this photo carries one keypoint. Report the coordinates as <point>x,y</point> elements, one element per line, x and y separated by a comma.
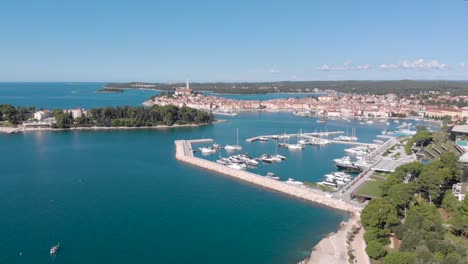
<point>15,119</point>
<point>399,87</point>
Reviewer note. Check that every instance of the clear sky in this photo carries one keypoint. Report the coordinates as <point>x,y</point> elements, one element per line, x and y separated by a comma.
<point>234,40</point>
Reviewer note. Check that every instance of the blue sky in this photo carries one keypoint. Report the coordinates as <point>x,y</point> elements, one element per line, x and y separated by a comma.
<point>238,40</point>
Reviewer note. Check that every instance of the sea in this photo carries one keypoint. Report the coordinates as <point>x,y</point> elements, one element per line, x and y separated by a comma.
<point>119,196</point>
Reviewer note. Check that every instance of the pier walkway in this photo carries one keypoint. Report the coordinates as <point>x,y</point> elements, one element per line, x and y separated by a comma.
<point>312,134</point>
<point>184,153</point>
<point>347,193</point>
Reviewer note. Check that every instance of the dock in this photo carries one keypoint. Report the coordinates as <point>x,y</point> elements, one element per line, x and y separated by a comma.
<point>313,134</point>
<point>184,153</point>
<point>375,157</point>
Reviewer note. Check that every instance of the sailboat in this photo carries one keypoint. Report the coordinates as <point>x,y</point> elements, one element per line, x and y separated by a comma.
<point>277,156</point>
<point>234,147</point>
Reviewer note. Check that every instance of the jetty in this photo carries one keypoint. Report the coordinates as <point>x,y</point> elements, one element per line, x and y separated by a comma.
<point>312,134</point>
<point>184,153</point>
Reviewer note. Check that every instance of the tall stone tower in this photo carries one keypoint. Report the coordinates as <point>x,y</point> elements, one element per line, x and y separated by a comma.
<point>187,84</point>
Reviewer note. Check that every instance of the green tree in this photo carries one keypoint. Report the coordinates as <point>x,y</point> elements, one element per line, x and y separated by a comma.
<point>375,250</point>
<point>398,258</point>
<point>452,258</point>
<point>423,255</point>
<point>450,202</point>
<point>400,195</point>
<point>380,214</point>
<point>460,219</point>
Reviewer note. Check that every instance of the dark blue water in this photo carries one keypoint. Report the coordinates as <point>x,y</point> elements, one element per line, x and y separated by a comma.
<point>121,197</point>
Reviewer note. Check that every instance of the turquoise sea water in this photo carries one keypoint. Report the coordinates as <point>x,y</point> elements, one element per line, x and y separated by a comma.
<point>121,197</point>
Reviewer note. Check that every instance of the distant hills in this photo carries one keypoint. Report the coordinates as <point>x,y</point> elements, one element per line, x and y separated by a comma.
<point>401,87</point>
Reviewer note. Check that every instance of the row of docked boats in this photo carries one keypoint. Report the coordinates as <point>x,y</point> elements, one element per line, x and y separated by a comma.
<point>271,175</point>
<point>336,180</point>
<point>242,161</point>
<point>238,162</point>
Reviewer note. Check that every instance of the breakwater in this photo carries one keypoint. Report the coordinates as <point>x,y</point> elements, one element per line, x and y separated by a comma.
<point>184,154</point>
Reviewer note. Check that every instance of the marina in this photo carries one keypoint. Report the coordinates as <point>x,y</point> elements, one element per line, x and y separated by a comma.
<point>291,187</point>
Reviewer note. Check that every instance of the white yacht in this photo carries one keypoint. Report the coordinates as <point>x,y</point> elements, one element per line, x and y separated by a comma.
<point>271,175</point>
<point>208,151</point>
<point>292,181</point>
<point>263,139</point>
<point>295,146</point>
<point>237,166</point>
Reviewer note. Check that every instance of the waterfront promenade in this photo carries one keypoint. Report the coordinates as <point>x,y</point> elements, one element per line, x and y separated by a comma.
<point>184,153</point>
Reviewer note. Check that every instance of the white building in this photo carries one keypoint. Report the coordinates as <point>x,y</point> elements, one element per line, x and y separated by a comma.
<point>77,112</point>
<point>459,190</point>
<point>42,114</point>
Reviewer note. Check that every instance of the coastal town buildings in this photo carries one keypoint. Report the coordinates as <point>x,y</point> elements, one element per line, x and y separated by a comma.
<point>77,112</point>
<point>460,190</point>
<point>42,114</point>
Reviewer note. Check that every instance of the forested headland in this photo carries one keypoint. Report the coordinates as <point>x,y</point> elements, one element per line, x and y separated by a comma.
<point>119,116</point>
<point>429,224</point>
<point>399,87</point>
<point>131,116</point>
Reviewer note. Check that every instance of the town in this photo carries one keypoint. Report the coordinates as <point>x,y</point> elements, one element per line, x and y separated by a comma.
<point>434,105</point>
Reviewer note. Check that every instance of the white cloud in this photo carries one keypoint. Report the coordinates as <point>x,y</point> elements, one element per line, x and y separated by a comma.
<point>323,67</point>
<point>347,66</point>
<point>419,64</point>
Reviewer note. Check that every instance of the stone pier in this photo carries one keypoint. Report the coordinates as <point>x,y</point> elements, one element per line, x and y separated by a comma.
<point>184,153</point>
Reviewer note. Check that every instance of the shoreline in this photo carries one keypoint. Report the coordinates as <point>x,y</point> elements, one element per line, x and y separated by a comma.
<point>324,250</point>
<point>336,246</point>
<point>9,130</point>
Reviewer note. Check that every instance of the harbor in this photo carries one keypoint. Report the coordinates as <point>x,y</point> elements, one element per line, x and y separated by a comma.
<point>184,148</point>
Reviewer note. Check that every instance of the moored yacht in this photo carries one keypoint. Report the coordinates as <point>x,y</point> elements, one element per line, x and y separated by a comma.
<point>292,181</point>
<point>271,175</point>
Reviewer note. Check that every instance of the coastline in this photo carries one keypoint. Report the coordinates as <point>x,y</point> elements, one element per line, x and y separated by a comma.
<point>337,246</point>
<point>9,130</point>
<point>331,249</point>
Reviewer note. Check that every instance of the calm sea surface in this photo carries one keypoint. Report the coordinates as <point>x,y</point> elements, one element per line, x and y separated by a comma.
<point>121,197</point>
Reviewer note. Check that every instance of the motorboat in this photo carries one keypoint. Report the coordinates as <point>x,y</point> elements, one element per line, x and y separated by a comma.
<point>295,146</point>
<point>292,181</point>
<point>54,249</point>
<point>271,175</point>
<point>281,157</point>
<point>237,166</point>
<point>264,139</point>
<point>208,151</point>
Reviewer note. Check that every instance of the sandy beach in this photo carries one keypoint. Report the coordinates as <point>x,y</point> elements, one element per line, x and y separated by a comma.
<point>334,248</point>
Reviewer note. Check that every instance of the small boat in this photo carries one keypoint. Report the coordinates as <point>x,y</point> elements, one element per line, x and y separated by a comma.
<point>281,157</point>
<point>292,181</point>
<point>266,158</point>
<point>271,175</point>
<point>209,150</point>
<point>237,166</point>
<point>54,249</point>
<point>263,139</point>
<point>295,146</point>
<point>284,136</point>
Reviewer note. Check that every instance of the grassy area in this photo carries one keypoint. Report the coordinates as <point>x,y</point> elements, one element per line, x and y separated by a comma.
<point>319,186</point>
<point>6,124</point>
<point>371,188</point>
